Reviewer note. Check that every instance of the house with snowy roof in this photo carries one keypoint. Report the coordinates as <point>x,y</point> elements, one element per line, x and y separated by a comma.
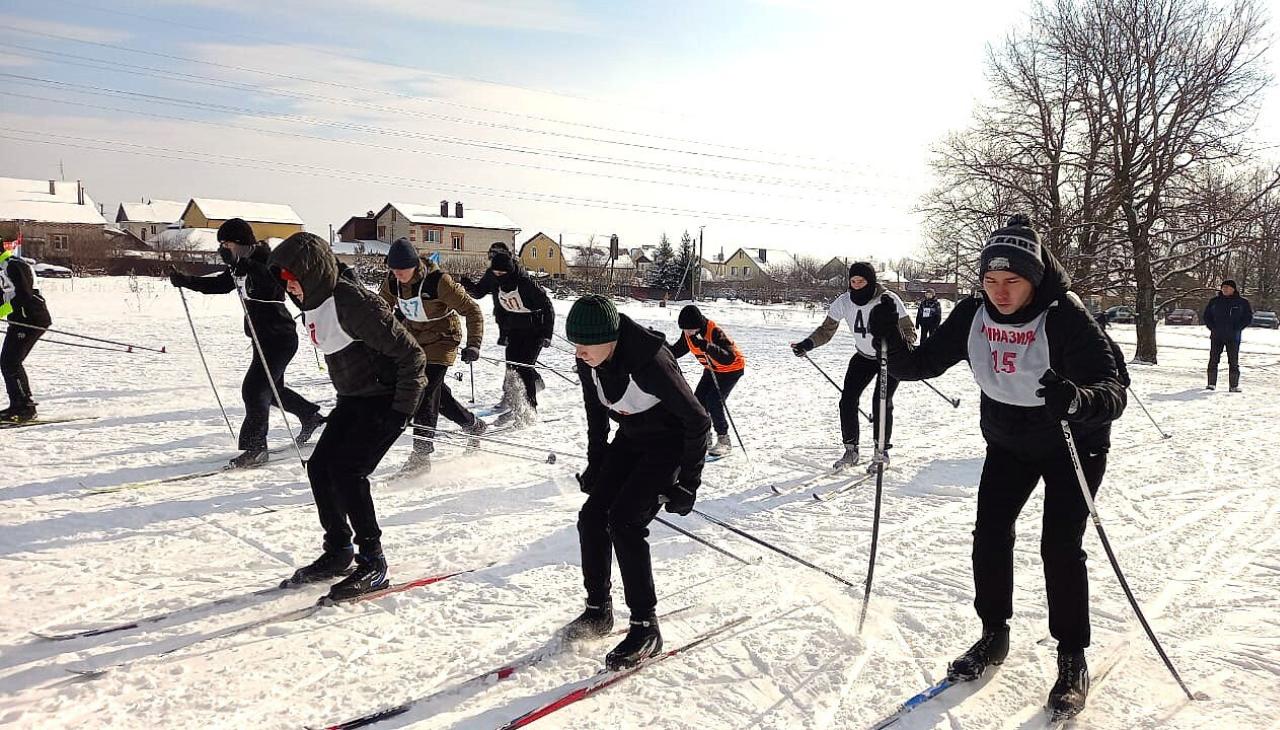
<point>587,258</point>
<point>57,219</point>
<point>268,220</point>
<point>758,266</point>
<point>542,254</point>
<point>447,228</point>
<point>147,218</point>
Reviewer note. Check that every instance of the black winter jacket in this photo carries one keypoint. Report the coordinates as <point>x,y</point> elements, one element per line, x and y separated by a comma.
<point>519,303</point>
<point>263,292</point>
<point>1078,351</point>
<point>28,305</point>
<point>384,359</point>
<point>928,312</point>
<point>1226,317</point>
<point>642,355</point>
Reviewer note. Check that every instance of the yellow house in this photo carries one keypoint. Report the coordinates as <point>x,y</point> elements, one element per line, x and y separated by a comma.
<point>268,220</point>
<point>757,265</point>
<point>542,254</point>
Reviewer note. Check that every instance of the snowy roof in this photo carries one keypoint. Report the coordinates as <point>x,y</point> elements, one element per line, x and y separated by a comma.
<point>221,210</point>
<point>152,211</point>
<point>773,258</point>
<point>419,213</point>
<point>203,240</point>
<point>30,200</point>
<point>360,248</point>
<point>596,255</point>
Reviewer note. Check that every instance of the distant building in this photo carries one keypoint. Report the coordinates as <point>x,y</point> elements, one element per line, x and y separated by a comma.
<point>542,254</point>
<point>58,221</point>
<point>759,266</point>
<point>461,236</point>
<point>268,220</point>
<point>148,218</point>
<point>359,228</point>
<point>586,257</point>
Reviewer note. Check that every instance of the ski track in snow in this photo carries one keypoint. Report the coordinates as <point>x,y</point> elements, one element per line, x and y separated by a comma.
<point>1194,521</point>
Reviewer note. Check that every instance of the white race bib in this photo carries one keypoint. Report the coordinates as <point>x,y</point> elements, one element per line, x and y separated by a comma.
<point>1008,360</point>
<point>323,328</point>
<point>511,301</point>
<point>634,400</point>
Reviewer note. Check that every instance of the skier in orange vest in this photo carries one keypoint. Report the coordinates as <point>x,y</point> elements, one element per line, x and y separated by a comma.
<point>723,366</point>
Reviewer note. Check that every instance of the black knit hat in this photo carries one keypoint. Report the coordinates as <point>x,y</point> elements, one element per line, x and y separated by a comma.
<point>865,270</point>
<point>402,255</point>
<point>497,246</point>
<point>691,318</point>
<point>237,231</point>
<point>1231,283</point>
<point>592,320</point>
<point>1016,248</point>
<point>501,261</point>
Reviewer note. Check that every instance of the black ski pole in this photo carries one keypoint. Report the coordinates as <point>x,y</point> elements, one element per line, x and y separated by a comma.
<point>200,351</point>
<point>707,543</point>
<point>535,366</point>
<point>549,459</point>
<point>882,388</point>
<point>472,367</point>
<point>131,347</point>
<point>834,384</point>
<point>266,371</point>
<point>741,533</point>
<point>562,376</point>
<point>51,341</point>
<point>1115,564</point>
<point>725,405</point>
<point>955,402</point>
<point>460,438</point>
<point>1144,410</point>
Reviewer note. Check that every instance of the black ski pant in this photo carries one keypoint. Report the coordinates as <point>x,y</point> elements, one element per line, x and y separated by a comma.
<point>358,433</point>
<point>523,347</point>
<point>1232,346</point>
<point>862,371</point>
<point>17,345</point>
<point>1008,478</point>
<point>615,519</point>
<point>437,401</point>
<point>258,398</point>
<point>712,393</point>
<point>927,329</point>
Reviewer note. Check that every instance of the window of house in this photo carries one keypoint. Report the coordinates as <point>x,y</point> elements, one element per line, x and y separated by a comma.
<point>382,232</point>
<point>413,234</point>
<point>456,241</point>
<point>432,235</point>
<point>393,215</point>
<point>59,242</point>
<point>533,252</point>
<point>153,230</point>
<point>144,234</point>
<point>733,271</point>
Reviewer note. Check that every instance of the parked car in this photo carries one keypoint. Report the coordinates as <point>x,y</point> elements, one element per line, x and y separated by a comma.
<point>1121,315</point>
<point>1181,316</point>
<point>1266,319</point>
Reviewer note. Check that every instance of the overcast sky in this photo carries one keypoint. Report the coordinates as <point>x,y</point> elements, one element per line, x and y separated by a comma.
<point>796,124</point>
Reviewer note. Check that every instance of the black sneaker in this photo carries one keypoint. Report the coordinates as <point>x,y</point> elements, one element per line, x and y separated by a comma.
<point>1068,695</point>
<point>592,623</point>
<point>642,642</point>
<point>1210,386</point>
<point>331,564</point>
<point>990,650</point>
<point>250,458</point>
<point>370,575</point>
<point>308,428</point>
<point>18,414</point>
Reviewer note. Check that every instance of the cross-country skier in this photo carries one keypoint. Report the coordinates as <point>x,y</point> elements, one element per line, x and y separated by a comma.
<point>928,314</point>
<point>246,262</point>
<point>854,306</point>
<point>1226,316</point>
<point>379,372</point>
<point>722,368</point>
<point>487,285</point>
<point>529,319</point>
<point>629,375</point>
<point>1038,358</point>
<point>427,302</point>
<point>20,304</point>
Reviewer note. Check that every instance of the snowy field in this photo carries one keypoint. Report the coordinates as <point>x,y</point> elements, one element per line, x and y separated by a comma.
<point>1194,520</point>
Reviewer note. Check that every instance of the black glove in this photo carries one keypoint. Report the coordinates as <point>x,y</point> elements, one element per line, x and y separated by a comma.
<point>802,347</point>
<point>697,339</point>
<point>467,283</point>
<point>587,479</point>
<point>680,498</point>
<point>177,278</point>
<point>1061,396</point>
<point>396,421</point>
<point>882,323</point>
<point>470,354</point>
<point>502,340</point>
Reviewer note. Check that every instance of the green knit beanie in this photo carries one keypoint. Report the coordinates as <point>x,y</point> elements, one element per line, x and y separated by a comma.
<point>593,320</point>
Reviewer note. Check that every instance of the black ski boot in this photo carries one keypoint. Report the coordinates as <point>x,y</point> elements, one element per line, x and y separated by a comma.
<point>475,430</point>
<point>643,641</point>
<point>332,563</point>
<point>18,414</point>
<point>418,463</point>
<point>308,428</point>
<point>849,459</point>
<point>370,575</point>
<point>1068,695</point>
<point>592,623</point>
<point>990,650</point>
<point>250,458</point>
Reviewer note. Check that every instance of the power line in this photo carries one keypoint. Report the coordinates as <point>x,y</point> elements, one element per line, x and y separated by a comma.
<point>117,147</point>
<point>382,92</point>
<point>447,139</point>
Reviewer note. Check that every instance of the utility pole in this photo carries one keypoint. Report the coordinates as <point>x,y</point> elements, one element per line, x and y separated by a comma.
<point>62,173</point>
<point>698,269</point>
<point>957,294</point>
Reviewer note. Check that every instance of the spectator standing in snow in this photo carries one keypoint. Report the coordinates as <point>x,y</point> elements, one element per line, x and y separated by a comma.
<point>928,314</point>
<point>1226,316</point>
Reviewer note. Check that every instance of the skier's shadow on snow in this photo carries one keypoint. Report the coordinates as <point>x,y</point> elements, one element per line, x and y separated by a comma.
<point>1185,395</point>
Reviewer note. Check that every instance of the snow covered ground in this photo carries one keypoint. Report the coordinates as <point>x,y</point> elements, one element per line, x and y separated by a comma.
<point>1194,520</point>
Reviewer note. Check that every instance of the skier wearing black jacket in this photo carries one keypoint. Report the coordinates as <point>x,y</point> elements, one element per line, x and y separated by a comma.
<point>928,314</point>
<point>524,310</point>
<point>20,304</point>
<point>722,368</point>
<point>1226,316</point>
<point>379,372</point>
<point>1039,358</point>
<point>628,375</point>
<point>246,260</point>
